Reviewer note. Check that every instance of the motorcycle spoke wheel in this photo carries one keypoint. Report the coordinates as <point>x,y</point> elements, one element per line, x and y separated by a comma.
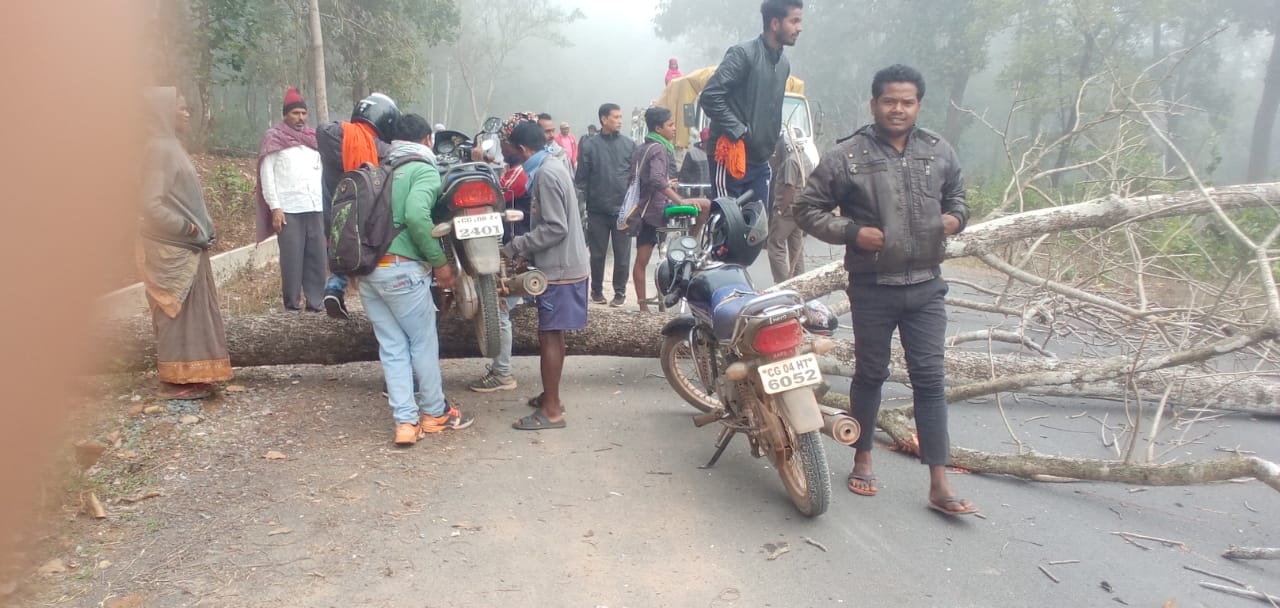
<point>681,369</point>
<point>803,467</point>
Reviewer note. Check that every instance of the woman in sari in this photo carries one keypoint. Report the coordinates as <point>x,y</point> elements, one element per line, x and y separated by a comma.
<point>173,258</point>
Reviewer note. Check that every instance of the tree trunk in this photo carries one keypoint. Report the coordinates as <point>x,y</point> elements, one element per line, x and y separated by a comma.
<point>1264,123</point>
<point>317,65</point>
<point>288,339</point>
<point>955,117</point>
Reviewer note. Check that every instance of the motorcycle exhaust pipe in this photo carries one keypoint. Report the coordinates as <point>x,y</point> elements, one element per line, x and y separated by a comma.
<point>529,283</point>
<point>840,426</point>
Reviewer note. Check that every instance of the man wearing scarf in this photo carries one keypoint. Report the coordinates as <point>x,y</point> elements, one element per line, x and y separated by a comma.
<point>343,147</point>
<point>555,244</point>
<point>173,258</point>
<point>290,204</point>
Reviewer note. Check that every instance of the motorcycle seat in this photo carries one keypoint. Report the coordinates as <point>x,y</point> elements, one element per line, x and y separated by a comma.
<point>729,303</point>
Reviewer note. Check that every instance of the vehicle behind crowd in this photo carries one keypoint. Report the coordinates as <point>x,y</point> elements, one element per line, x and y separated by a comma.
<point>746,359</point>
<point>469,221</point>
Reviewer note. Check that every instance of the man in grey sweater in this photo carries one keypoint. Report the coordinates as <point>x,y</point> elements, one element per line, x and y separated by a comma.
<point>554,244</point>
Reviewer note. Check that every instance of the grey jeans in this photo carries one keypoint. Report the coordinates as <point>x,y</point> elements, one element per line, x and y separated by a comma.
<point>601,233</point>
<point>919,315</point>
<point>303,260</point>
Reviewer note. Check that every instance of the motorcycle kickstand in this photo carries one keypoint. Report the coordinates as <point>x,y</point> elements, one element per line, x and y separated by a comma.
<point>723,442</point>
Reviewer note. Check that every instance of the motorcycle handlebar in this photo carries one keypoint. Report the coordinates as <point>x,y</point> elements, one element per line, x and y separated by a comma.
<point>745,197</point>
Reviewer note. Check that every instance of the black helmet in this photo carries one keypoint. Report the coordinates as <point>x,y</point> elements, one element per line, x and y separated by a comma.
<point>739,233</point>
<point>379,112</point>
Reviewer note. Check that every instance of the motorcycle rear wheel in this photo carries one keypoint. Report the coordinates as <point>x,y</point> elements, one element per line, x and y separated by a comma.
<point>488,334</point>
<point>805,474</point>
<point>681,369</point>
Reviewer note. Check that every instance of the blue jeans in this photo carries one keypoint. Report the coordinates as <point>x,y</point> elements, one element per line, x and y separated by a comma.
<point>502,361</point>
<point>756,179</point>
<point>397,300</point>
<point>336,283</point>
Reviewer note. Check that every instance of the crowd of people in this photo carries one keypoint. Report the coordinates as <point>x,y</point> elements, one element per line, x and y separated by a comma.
<point>890,194</point>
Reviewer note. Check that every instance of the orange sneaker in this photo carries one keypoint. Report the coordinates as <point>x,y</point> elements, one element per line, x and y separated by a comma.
<point>407,434</point>
<point>451,419</point>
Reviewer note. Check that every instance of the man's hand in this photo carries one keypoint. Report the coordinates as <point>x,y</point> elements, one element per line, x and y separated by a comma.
<point>950,224</point>
<point>870,238</point>
<point>444,276</point>
<point>520,264</point>
<point>277,220</point>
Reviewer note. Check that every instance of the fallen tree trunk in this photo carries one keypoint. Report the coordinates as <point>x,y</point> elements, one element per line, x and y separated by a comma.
<point>896,423</point>
<point>279,339</point>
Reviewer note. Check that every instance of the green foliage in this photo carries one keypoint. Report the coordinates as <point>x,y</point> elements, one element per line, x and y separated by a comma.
<point>230,189</point>
<point>224,37</point>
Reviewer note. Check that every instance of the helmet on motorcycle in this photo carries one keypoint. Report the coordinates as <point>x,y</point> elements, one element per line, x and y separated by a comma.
<point>819,319</point>
<point>739,232</point>
<point>379,112</point>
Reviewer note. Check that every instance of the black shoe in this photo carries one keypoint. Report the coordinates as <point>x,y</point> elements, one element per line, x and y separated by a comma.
<point>618,301</point>
<point>598,298</point>
<point>335,305</point>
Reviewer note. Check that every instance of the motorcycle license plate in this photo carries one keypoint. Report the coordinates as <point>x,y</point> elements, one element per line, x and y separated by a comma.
<point>790,374</point>
<point>476,226</point>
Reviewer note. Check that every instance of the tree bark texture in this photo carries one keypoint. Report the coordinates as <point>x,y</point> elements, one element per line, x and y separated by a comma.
<point>317,59</point>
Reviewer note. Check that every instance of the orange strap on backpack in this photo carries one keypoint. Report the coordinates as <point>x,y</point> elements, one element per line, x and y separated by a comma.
<point>732,155</point>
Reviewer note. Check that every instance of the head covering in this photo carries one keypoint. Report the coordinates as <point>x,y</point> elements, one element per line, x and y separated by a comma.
<point>439,127</point>
<point>510,123</point>
<point>564,125</point>
<point>293,100</point>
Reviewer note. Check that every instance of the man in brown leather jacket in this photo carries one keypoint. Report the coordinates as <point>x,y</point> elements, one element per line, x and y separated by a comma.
<point>900,194</point>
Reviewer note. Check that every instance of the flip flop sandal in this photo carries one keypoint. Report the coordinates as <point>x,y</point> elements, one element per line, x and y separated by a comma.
<point>870,480</point>
<point>536,421</point>
<point>941,506</point>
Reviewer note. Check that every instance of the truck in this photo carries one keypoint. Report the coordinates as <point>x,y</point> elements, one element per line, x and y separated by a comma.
<point>681,97</point>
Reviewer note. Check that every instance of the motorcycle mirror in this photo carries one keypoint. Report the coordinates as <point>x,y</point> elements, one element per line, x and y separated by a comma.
<point>492,124</point>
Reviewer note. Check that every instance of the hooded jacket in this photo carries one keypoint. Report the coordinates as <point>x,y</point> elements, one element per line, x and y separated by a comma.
<point>743,98</point>
<point>172,200</point>
<point>415,187</point>
<point>904,194</point>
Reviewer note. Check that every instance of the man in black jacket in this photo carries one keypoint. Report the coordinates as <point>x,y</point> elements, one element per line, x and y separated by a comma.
<point>900,195</point>
<point>743,100</point>
<point>604,170</point>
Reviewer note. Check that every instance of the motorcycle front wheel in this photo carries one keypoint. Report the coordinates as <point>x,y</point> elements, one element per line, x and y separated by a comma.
<point>804,469</point>
<point>682,371</point>
<point>488,333</point>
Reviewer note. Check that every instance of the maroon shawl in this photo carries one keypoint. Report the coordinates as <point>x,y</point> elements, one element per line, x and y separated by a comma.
<point>277,138</point>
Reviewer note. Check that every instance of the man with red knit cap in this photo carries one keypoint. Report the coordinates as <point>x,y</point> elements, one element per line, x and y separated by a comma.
<point>290,205</point>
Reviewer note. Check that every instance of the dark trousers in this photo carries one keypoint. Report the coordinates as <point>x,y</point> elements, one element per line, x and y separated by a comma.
<point>919,315</point>
<point>600,235</point>
<point>303,260</point>
<point>756,179</point>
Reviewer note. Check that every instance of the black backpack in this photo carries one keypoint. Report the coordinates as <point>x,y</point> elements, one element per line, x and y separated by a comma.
<point>363,223</point>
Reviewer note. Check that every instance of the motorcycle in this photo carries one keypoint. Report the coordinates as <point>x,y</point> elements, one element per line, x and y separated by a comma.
<point>747,359</point>
<point>469,220</point>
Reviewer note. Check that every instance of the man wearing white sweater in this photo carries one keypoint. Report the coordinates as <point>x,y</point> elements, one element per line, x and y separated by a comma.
<point>289,178</point>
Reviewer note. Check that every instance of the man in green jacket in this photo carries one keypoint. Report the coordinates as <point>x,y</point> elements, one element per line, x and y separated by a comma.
<point>397,294</point>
